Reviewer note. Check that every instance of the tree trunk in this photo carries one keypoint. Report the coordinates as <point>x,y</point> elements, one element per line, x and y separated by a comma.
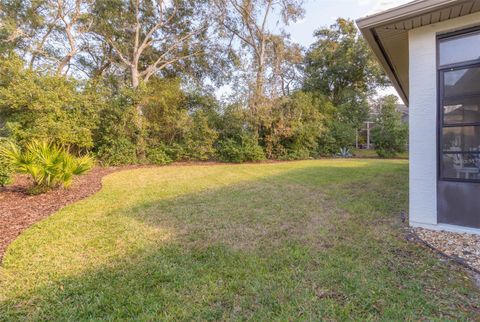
<point>65,62</point>
<point>259,86</point>
<point>259,81</point>
<point>141,155</point>
<point>135,77</point>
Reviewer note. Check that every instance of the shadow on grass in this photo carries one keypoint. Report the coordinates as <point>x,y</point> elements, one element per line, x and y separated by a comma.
<point>305,244</point>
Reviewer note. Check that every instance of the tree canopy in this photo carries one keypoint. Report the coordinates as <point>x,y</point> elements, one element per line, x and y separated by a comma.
<point>138,81</point>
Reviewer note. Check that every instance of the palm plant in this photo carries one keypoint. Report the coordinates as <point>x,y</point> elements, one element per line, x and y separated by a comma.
<point>344,153</point>
<point>50,165</point>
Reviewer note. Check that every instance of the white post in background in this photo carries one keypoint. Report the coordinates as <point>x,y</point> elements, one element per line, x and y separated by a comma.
<point>368,135</point>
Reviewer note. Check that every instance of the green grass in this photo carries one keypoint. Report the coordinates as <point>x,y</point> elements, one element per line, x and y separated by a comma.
<point>303,240</point>
<point>362,153</point>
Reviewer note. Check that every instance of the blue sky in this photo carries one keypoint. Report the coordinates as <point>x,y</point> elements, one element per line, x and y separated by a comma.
<point>320,13</point>
<point>323,13</point>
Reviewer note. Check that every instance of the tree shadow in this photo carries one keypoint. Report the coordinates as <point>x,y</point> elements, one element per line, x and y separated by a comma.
<point>281,247</point>
<point>299,204</point>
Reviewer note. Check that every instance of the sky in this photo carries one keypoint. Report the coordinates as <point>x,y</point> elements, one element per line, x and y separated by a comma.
<point>323,13</point>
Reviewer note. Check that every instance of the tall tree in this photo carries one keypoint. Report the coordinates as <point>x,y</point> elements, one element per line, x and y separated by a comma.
<point>341,67</point>
<point>248,21</point>
<point>340,61</point>
<point>150,36</point>
<point>286,61</point>
<point>47,33</point>
<point>75,23</point>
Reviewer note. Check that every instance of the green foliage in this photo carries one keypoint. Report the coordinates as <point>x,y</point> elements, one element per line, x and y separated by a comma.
<point>341,68</point>
<point>233,121</point>
<point>182,122</point>
<point>117,133</point>
<point>165,111</point>
<point>158,155</point>
<point>338,135</point>
<point>6,169</point>
<point>200,139</point>
<point>50,165</point>
<point>244,149</point>
<point>390,133</point>
<point>36,106</point>
<point>119,151</point>
<point>293,127</point>
<point>340,61</point>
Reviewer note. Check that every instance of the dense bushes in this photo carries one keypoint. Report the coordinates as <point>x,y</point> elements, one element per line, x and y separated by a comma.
<point>162,122</point>
<point>175,125</point>
<point>36,106</point>
<point>337,135</point>
<point>120,151</point>
<point>243,149</point>
<point>158,155</point>
<point>291,126</point>
<point>200,138</point>
<point>116,136</point>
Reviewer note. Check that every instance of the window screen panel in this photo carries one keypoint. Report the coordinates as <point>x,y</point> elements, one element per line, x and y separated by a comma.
<point>461,139</point>
<point>461,110</point>
<point>460,49</point>
<point>462,82</point>
<point>465,166</point>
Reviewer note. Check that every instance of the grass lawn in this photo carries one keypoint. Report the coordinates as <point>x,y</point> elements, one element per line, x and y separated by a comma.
<point>362,153</point>
<point>283,241</point>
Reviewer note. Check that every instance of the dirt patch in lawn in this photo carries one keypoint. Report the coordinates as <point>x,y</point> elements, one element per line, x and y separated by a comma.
<point>18,210</point>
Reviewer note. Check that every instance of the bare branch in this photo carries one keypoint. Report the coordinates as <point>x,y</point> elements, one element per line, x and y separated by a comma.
<point>69,25</point>
<point>175,45</point>
<point>167,63</point>
<point>119,53</point>
<point>147,40</point>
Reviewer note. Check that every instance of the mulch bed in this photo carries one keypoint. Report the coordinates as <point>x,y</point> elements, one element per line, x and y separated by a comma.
<point>18,210</point>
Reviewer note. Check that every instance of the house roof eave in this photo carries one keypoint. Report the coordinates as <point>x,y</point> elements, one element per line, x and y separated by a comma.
<point>387,33</point>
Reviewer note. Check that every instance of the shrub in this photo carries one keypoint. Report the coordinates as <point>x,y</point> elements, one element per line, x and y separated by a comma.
<point>296,154</point>
<point>49,164</point>
<point>117,152</point>
<point>158,155</point>
<point>36,106</point>
<point>338,135</point>
<point>291,126</point>
<point>390,134</point>
<point>117,138</point>
<point>245,149</point>
<point>200,138</point>
<point>6,170</point>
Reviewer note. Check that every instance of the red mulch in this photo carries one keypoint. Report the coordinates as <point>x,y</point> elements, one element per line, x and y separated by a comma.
<point>18,210</point>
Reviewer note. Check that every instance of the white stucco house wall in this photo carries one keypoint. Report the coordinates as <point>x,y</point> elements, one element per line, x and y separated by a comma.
<point>430,49</point>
